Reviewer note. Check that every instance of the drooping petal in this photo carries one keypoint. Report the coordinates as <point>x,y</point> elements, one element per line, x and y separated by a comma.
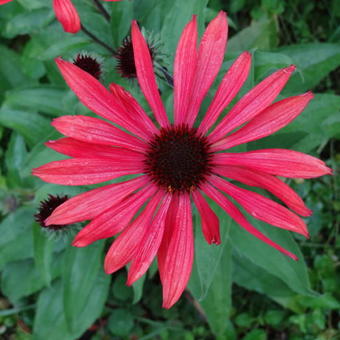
<point>262,207</point>
<point>274,185</point>
<point>146,76</point>
<point>95,96</point>
<point>209,220</point>
<point>92,203</point>
<point>82,171</point>
<point>150,243</point>
<point>237,216</point>
<point>184,70</point>
<point>114,219</point>
<point>67,15</point>
<point>251,104</point>
<point>75,148</point>
<point>227,90</point>
<point>136,113</point>
<point>127,243</point>
<point>176,254</point>
<point>270,120</point>
<point>94,130</point>
<point>210,58</point>
<point>280,162</point>
<point>2,2</point>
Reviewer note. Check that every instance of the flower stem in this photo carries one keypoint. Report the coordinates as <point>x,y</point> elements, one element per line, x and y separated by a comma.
<point>97,40</point>
<point>102,9</point>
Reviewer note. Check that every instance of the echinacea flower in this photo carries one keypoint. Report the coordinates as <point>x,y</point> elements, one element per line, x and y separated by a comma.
<point>176,163</point>
<point>89,63</point>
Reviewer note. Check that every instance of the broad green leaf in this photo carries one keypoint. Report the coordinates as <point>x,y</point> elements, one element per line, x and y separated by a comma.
<point>207,257</point>
<point>293,273</point>
<point>81,268</point>
<point>43,253</point>
<point>29,22</point>
<point>16,236</point>
<point>314,61</point>
<point>15,158</point>
<point>217,302</point>
<point>45,99</point>
<point>260,34</point>
<point>32,126</point>
<point>15,287</point>
<point>50,310</point>
<point>121,17</point>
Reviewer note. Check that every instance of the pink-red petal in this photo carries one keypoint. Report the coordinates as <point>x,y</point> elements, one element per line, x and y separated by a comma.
<point>150,243</point>
<point>127,243</point>
<point>82,171</point>
<point>262,207</point>
<point>177,253</point>
<point>94,130</point>
<point>237,216</point>
<point>184,70</point>
<point>270,183</point>
<point>227,90</point>
<point>146,76</point>
<point>67,15</point>
<point>209,220</point>
<point>280,162</point>
<point>92,203</point>
<point>115,219</point>
<point>251,104</point>
<point>210,57</point>
<point>135,112</point>
<point>270,120</point>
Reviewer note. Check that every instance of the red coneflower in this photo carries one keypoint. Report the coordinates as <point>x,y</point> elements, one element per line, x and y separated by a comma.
<point>177,163</point>
<point>89,63</point>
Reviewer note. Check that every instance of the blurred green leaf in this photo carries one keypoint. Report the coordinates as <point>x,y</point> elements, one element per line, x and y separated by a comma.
<point>314,61</point>
<point>121,322</point>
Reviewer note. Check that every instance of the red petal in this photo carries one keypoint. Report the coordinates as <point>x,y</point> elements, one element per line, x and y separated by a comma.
<point>209,220</point>
<point>270,120</point>
<point>114,219</point>
<point>176,253</point>
<point>268,182</point>
<point>210,58</point>
<point>229,87</point>
<point>280,162</point>
<point>93,130</point>
<point>81,171</point>
<point>75,148</point>
<point>236,215</point>
<point>184,70</point>
<point>255,101</point>
<point>146,76</point>
<point>94,95</point>
<point>67,15</point>
<point>2,2</point>
<point>145,126</point>
<point>262,207</point>
<point>150,243</point>
<point>128,242</point>
<point>92,203</point>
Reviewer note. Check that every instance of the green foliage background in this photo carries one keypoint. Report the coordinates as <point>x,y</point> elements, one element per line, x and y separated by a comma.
<point>241,289</point>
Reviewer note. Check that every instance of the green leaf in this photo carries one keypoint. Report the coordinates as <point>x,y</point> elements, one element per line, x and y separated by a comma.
<point>314,61</point>
<point>15,287</point>
<point>15,157</point>
<point>43,251</point>
<point>293,273</point>
<point>47,99</point>
<point>217,302</point>
<point>16,236</point>
<point>81,268</point>
<point>121,322</point>
<point>260,34</point>
<point>207,257</point>
<point>138,289</point>
<point>29,22</point>
<point>32,126</point>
